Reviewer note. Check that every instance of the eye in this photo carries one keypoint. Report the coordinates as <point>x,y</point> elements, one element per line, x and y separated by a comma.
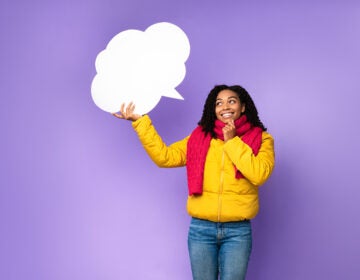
<point>218,103</point>
<point>232,101</point>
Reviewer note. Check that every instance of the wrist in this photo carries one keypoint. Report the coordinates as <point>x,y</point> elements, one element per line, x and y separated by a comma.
<point>136,117</point>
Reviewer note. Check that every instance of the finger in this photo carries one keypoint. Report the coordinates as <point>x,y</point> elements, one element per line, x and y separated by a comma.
<point>129,110</point>
<point>132,107</point>
<point>227,126</point>
<point>122,109</point>
<point>125,111</point>
<point>230,127</point>
<point>118,115</point>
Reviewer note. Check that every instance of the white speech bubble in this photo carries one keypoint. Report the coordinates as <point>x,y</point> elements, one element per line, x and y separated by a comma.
<point>140,67</point>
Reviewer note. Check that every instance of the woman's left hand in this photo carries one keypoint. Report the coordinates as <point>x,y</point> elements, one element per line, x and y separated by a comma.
<point>229,130</point>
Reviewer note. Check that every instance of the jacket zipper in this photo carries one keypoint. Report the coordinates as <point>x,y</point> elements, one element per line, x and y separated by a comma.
<point>221,185</point>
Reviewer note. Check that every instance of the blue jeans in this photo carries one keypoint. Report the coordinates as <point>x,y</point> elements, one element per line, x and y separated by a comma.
<point>219,249</point>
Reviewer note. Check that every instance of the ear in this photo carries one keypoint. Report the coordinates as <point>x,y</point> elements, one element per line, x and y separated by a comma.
<point>242,108</point>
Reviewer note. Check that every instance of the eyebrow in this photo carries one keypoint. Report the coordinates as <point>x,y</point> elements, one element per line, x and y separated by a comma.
<point>233,96</point>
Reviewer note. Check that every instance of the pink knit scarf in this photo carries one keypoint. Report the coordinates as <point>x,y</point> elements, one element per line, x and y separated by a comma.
<point>199,143</point>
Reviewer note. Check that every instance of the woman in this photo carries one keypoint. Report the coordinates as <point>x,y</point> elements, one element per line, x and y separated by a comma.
<point>228,156</point>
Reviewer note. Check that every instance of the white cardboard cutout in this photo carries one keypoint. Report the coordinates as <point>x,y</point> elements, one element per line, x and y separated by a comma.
<point>140,67</point>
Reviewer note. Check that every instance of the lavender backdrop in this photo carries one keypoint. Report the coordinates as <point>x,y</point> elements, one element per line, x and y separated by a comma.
<point>79,198</point>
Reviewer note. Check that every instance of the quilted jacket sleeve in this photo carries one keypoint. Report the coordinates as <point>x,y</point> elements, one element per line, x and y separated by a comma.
<point>257,169</point>
<point>163,155</point>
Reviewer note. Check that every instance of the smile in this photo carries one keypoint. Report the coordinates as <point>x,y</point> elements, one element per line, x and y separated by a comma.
<point>227,115</point>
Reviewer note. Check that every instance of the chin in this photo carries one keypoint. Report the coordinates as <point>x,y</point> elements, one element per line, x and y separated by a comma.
<point>226,120</point>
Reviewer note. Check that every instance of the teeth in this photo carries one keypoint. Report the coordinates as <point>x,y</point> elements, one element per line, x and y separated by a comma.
<point>227,115</point>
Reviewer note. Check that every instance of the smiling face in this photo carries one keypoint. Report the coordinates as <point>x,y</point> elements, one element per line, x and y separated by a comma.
<point>228,106</point>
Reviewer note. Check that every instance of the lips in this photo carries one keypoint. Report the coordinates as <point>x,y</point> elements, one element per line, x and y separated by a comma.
<point>227,115</point>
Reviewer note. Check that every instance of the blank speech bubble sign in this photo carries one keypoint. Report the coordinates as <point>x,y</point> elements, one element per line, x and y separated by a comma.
<point>140,67</point>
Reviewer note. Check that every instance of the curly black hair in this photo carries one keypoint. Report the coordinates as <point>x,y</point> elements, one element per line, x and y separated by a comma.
<point>208,118</point>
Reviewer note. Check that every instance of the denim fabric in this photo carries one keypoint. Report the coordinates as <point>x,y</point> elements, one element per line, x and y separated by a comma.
<point>219,249</point>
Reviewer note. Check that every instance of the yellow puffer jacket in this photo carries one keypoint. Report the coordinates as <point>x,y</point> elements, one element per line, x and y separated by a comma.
<point>224,197</point>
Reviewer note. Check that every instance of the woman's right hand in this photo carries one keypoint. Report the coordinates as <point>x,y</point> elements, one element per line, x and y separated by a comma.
<point>127,113</point>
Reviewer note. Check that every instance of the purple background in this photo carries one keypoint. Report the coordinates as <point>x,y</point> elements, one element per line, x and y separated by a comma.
<point>80,199</point>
